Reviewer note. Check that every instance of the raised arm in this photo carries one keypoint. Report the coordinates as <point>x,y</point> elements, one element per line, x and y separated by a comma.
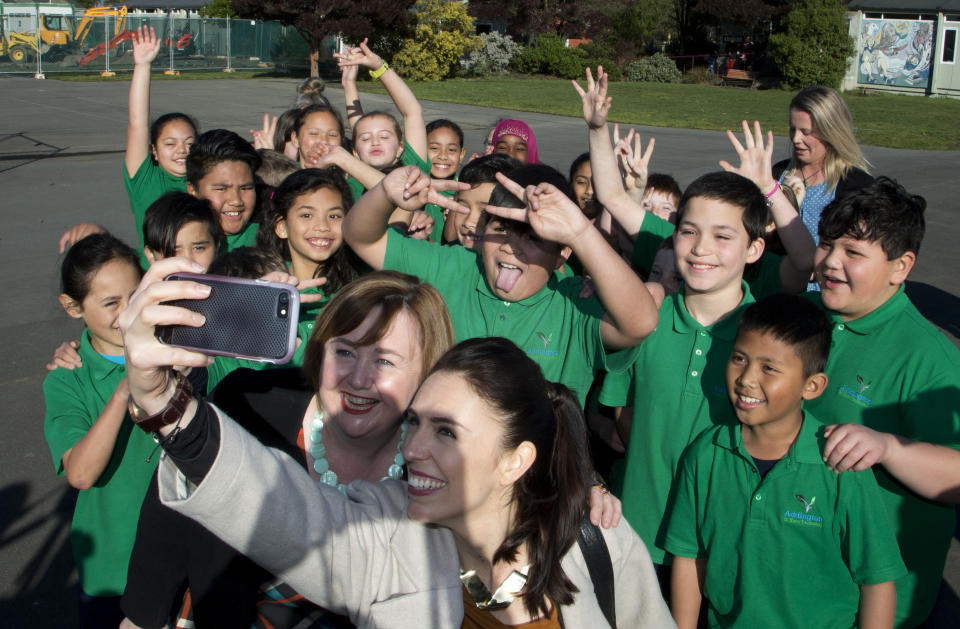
<point>146,46</point>
<point>631,312</point>
<point>607,184</point>
<point>414,126</point>
<point>408,188</point>
<point>756,164</point>
<point>351,95</point>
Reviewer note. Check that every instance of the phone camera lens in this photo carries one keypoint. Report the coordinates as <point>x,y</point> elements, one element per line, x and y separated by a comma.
<point>283,298</point>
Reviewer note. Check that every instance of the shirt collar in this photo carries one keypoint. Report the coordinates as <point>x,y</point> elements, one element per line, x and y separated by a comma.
<point>100,367</point>
<point>806,449</point>
<point>875,320</point>
<point>724,329</point>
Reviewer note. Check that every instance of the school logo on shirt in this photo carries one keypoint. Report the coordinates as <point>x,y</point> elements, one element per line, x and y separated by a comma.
<point>543,351</point>
<point>856,394</point>
<point>804,517</point>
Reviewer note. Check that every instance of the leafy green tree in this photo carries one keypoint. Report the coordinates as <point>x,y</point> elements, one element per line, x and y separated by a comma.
<point>442,34</point>
<point>217,8</point>
<point>813,45</point>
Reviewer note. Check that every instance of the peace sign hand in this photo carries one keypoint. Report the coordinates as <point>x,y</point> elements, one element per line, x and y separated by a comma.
<point>551,213</point>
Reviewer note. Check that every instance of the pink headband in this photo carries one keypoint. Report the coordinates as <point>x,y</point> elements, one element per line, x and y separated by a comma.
<point>523,131</point>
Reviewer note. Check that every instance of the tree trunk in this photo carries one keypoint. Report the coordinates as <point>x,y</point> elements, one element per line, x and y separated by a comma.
<point>314,59</point>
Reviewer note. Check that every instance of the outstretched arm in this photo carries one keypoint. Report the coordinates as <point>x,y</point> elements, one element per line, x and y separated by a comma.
<point>756,164</point>
<point>365,226</point>
<point>931,470</point>
<point>414,126</point>
<point>607,184</point>
<point>146,46</point>
<point>348,163</point>
<point>631,311</point>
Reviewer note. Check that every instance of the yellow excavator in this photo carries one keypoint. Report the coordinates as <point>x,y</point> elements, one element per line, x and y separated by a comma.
<point>58,37</point>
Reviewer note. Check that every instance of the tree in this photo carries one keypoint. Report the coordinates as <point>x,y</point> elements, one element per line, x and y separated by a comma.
<point>317,19</point>
<point>814,44</point>
<point>442,33</point>
<point>217,8</point>
<point>527,18</point>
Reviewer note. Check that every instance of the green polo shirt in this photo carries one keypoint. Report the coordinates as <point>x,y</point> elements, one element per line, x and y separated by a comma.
<point>557,329</point>
<point>246,237</point>
<point>788,550</point>
<point>893,371</point>
<point>148,184</point>
<point>679,390</point>
<point>105,516</point>
<point>763,276</point>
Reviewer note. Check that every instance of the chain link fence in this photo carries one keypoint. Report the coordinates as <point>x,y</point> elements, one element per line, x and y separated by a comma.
<point>41,43</point>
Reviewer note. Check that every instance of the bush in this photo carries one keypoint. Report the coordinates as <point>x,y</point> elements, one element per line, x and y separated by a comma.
<point>443,34</point>
<point>492,57</point>
<point>609,66</point>
<point>814,45</point>
<point>699,75</point>
<point>549,56</point>
<point>657,68</point>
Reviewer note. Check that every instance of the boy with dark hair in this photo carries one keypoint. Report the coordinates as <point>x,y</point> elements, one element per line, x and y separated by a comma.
<point>511,289</point>
<point>481,174</point>
<point>894,376</point>
<point>220,169</point>
<point>180,224</point>
<point>794,544</point>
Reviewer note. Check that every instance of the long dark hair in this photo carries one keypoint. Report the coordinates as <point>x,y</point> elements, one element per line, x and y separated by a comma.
<point>551,497</point>
<point>339,268</point>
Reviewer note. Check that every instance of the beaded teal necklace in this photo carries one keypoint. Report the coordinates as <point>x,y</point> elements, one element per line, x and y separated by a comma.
<point>319,453</point>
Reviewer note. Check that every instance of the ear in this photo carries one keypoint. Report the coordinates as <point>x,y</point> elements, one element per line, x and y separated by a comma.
<point>815,385</point>
<point>280,229</point>
<point>563,256</point>
<point>514,464</point>
<point>902,267</point>
<point>463,153</point>
<point>70,306</point>
<point>192,189</point>
<point>399,150</point>
<point>755,250</point>
<point>153,152</point>
<point>151,256</point>
<point>294,140</point>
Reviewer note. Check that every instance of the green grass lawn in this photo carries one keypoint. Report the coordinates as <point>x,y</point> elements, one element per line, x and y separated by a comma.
<point>894,121</point>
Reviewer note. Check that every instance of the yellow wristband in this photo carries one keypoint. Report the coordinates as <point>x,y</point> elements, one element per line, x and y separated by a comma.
<point>376,74</point>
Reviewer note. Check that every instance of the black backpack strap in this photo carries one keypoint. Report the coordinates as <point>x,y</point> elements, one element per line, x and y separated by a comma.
<point>597,556</point>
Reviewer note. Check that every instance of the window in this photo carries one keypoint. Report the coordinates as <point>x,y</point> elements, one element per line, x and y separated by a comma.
<point>949,53</point>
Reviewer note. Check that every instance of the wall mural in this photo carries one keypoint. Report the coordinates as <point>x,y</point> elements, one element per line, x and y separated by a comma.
<point>896,52</point>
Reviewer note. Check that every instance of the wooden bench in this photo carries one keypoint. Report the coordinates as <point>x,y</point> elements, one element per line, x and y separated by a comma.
<point>738,78</point>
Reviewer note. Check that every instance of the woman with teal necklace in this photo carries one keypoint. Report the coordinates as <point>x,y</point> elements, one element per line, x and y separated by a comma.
<point>340,417</point>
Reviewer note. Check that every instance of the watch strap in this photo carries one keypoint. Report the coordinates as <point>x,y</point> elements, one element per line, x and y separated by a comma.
<point>169,414</point>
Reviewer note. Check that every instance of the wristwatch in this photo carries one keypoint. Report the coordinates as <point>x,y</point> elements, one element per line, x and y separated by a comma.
<point>171,413</point>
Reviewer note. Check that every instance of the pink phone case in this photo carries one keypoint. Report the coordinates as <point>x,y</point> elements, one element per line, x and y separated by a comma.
<point>250,319</point>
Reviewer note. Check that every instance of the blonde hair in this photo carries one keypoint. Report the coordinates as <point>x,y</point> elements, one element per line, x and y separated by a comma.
<point>832,125</point>
<point>392,292</point>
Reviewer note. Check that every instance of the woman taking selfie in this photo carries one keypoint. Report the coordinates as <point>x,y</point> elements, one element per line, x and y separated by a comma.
<point>498,481</point>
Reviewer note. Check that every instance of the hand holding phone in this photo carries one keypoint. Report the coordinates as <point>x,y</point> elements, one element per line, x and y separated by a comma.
<point>250,319</point>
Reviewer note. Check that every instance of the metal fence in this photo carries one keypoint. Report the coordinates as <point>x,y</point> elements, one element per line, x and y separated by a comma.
<point>29,44</point>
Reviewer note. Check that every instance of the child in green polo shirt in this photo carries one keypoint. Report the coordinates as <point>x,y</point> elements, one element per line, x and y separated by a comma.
<point>894,379</point>
<point>758,524</point>
<point>510,289</point>
<point>220,169</point>
<point>92,441</point>
<point>481,174</point>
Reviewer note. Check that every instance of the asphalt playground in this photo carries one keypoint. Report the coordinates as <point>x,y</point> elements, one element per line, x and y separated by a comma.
<point>61,154</point>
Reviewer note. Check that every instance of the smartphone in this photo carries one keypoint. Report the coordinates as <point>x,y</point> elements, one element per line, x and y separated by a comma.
<point>250,319</point>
